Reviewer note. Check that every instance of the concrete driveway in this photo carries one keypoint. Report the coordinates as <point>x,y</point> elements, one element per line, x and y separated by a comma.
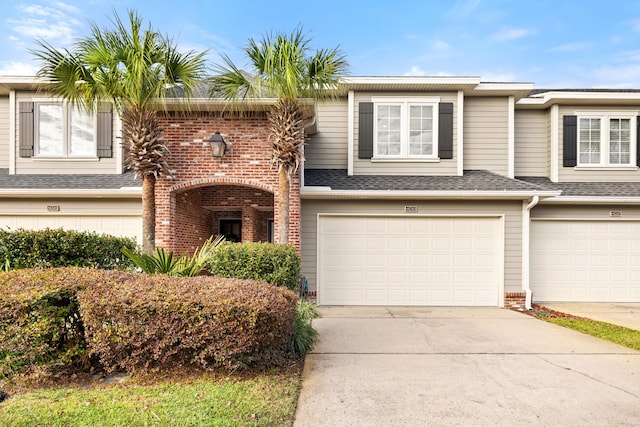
<point>462,366</point>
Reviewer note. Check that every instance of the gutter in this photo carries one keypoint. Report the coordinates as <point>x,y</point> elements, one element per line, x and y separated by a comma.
<point>124,192</point>
<point>313,192</point>
<point>593,200</point>
<point>526,227</point>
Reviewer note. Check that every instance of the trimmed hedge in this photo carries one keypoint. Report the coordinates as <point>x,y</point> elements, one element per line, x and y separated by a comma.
<point>40,325</point>
<point>59,248</point>
<point>69,319</point>
<point>276,264</point>
<point>156,320</point>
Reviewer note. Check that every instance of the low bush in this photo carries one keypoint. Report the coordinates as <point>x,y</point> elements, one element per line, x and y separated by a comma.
<point>276,264</point>
<point>304,334</point>
<point>40,326</point>
<point>59,248</point>
<point>157,320</point>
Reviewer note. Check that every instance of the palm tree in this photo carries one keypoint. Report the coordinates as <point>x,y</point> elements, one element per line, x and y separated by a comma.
<point>134,69</point>
<point>282,68</point>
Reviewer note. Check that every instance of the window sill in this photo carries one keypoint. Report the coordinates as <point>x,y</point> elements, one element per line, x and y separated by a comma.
<point>605,168</point>
<point>66,159</point>
<point>404,160</point>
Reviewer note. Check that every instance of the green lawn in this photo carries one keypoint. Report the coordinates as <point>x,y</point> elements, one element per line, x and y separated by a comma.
<point>618,334</point>
<point>265,399</point>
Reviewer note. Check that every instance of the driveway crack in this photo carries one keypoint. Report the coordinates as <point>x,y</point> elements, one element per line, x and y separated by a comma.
<point>588,376</point>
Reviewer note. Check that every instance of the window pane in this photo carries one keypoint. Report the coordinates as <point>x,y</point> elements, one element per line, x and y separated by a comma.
<point>388,130</point>
<point>82,138</point>
<point>619,141</point>
<point>589,141</point>
<point>421,130</point>
<point>50,137</point>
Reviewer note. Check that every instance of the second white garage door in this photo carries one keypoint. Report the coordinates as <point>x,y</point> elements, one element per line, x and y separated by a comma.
<point>385,260</point>
<point>588,261</point>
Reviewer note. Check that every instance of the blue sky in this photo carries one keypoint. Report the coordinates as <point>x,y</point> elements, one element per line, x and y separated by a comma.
<point>552,43</point>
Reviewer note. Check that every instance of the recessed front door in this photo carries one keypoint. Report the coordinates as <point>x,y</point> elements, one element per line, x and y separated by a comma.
<point>231,229</point>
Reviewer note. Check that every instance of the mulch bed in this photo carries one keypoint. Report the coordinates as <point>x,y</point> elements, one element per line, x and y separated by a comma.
<point>540,311</point>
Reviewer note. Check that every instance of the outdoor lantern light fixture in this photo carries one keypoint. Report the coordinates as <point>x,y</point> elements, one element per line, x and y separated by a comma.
<point>218,146</point>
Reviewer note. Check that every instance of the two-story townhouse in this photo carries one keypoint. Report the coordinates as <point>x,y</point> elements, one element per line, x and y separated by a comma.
<point>585,243</point>
<point>415,190</point>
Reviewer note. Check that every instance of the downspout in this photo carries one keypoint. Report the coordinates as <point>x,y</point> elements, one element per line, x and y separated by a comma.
<point>526,226</point>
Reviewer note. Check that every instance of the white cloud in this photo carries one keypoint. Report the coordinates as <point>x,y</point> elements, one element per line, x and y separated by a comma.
<point>570,47</point>
<point>17,69</point>
<point>498,78</point>
<point>508,34</point>
<point>440,45</point>
<point>416,71</point>
<point>616,77</point>
<point>463,8</point>
<point>56,23</point>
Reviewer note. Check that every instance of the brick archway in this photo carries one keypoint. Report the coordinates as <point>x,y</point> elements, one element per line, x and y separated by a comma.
<point>246,166</point>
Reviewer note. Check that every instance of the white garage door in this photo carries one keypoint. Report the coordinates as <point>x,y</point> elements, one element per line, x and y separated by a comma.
<point>590,261</point>
<point>374,260</point>
<point>117,225</point>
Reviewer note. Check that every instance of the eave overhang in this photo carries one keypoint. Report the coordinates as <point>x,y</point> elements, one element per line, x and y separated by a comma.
<point>544,100</point>
<point>75,193</point>
<point>328,193</point>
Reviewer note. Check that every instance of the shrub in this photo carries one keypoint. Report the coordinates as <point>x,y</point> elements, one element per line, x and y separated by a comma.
<point>59,248</point>
<point>40,326</point>
<point>163,262</point>
<point>276,264</point>
<point>157,320</point>
<point>304,334</point>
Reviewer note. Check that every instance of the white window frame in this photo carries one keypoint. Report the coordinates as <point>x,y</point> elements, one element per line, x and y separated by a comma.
<point>605,143</point>
<point>66,132</point>
<point>405,103</point>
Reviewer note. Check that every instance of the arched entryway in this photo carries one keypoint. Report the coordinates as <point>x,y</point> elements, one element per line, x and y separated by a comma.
<point>240,212</point>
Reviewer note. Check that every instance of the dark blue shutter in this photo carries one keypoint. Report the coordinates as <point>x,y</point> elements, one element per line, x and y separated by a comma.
<point>26,129</point>
<point>365,130</point>
<point>569,140</point>
<point>638,141</point>
<point>445,130</point>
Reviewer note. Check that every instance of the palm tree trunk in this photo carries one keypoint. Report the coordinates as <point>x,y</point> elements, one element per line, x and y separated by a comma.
<point>283,207</point>
<point>148,214</point>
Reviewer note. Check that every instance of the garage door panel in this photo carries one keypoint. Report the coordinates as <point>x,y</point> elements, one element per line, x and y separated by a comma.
<point>410,261</point>
<point>591,261</point>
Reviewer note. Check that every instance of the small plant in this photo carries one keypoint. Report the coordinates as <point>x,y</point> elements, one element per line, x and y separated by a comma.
<point>304,334</point>
<point>165,262</point>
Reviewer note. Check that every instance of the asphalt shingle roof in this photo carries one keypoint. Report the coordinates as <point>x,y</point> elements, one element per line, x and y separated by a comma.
<point>85,182</point>
<point>472,180</point>
<point>588,189</point>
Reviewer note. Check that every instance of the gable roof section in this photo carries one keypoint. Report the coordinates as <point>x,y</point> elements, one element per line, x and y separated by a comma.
<point>322,183</point>
<point>103,185</point>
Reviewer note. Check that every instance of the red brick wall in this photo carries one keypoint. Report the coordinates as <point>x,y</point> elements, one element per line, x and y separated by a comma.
<point>246,164</point>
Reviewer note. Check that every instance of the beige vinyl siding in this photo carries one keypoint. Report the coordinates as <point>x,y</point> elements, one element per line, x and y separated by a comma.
<point>581,174</point>
<point>4,132</point>
<point>513,227</point>
<point>592,212</point>
<point>75,206</point>
<point>371,167</point>
<point>327,149</point>
<point>486,134</point>
<point>34,165</point>
<point>531,143</point>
